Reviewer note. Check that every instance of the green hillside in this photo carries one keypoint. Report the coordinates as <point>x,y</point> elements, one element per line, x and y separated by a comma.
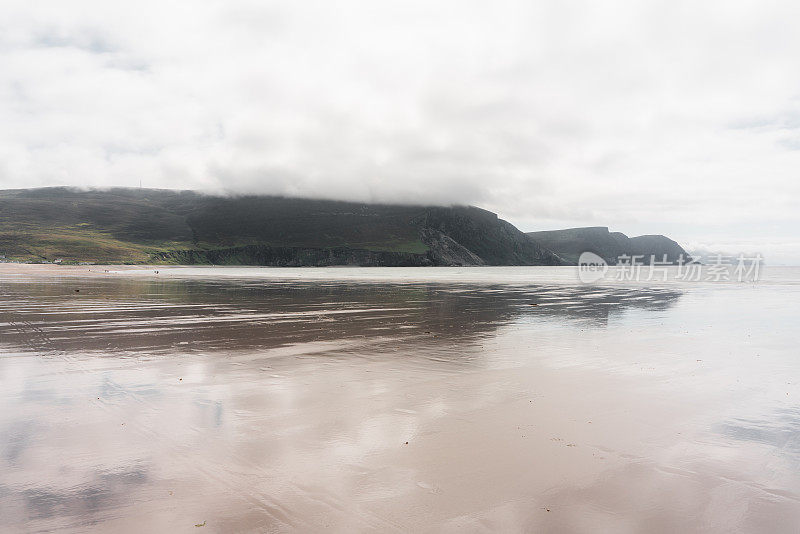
<point>148,225</point>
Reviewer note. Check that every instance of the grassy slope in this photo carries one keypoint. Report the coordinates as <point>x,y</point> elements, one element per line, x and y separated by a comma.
<point>128,225</point>
<point>91,226</point>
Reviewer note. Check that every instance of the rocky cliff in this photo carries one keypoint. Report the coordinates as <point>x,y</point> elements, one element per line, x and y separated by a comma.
<point>569,244</point>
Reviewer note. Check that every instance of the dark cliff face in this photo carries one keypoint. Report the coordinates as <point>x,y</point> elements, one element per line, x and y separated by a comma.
<point>494,240</point>
<point>571,243</point>
<point>442,251</point>
<point>293,257</point>
<point>457,236</point>
<point>145,225</point>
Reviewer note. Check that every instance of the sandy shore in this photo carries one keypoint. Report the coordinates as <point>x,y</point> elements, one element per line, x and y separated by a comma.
<point>141,403</point>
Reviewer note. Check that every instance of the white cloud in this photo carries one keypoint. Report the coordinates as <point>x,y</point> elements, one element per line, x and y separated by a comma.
<point>680,118</point>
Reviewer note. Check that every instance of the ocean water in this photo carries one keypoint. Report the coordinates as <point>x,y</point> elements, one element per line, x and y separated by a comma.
<point>392,399</point>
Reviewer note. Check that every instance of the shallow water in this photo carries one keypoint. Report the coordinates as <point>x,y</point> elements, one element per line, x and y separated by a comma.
<point>343,399</point>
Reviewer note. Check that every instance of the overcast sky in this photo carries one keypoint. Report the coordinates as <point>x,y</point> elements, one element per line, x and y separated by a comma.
<point>681,118</point>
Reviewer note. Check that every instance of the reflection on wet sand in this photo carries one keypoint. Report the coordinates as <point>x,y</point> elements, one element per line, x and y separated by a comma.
<point>140,404</point>
<point>145,315</point>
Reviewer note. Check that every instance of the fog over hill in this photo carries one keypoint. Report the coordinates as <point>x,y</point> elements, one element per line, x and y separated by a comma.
<point>551,114</point>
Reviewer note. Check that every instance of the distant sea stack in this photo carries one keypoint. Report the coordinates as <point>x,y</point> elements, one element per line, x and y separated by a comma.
<point>185,227</point>
<point>569,244</point>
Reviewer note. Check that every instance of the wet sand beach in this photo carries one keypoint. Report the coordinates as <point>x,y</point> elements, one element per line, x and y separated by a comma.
<point>395,400</point>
